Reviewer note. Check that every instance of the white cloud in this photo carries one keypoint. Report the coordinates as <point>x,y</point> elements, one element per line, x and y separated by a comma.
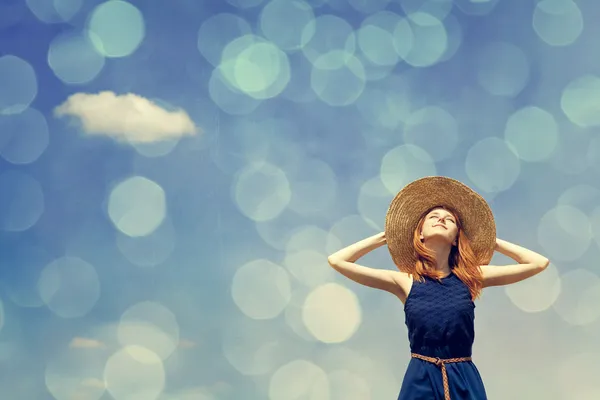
<point>128,117</point>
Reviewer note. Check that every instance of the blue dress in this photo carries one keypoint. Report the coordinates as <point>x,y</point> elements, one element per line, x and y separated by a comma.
<point>440,319</point>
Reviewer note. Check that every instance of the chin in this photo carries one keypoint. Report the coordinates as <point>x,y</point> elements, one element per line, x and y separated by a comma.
<point>439,238</point>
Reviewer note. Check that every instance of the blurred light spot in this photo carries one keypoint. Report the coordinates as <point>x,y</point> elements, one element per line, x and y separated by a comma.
<point>150,250</point>
<point>476,7</point>
<point>76,373</point>
<point>134,373</point>
<point>137,206</point>
<point>578,301</point>
<point>293,313</point>
<point>227,98</point>
<point>67,9</point>
<point>454,32</point>
<point>593,154</point>
<point>277,232</point>
<point>311,238</point>
<point>572,145</point>
<point>255,67</point>
<point>309,267</point>
<point>23,137</point>
<point>217,31</point>
<point>429,40</point>
<point>369,6</point>
<point>245,3</point>
<point>583,197</point>
<point>298,88</point>
<point>376,371</point>
<point>537,293</point>
<point>386,105</point>
<point>116,28</point>
<point>328,33</point>
<point>283,23</point>
<point>404,38</point>
<point>475,107</point>
<point>54,11</point>
<point>317,3</point>
<point>345,385</point>
<point>557,22</point>
<point>69,286</point>
<point>340,85</point>
<point>255,348</point>
<point>595,224</point>
<point>332,313</point>
<point>313,185</point>
<point>351,229</point>
<point>261,289</point>
<point>299,379</point>
<point>376,40</point>
<point>190,394</point>
<point>565,233</point>
<point>151,326</point>
<point>382,380</point>
<point>155,149</point>
<point>580,101</point>
<point>532,125</point>
<point>437,8</point>
<point>340,356</point>
<point>373,201</point>
<point>248,141</point>
<point>262,191</point>
<point>382,108</point>
<point>503,69</point>
<point>19,84</point>
<point>433,129</point>
<point>74,59</point>
<point>492,165</point>
<point>577,377</point>
<point>404,164</point>
<point>374,71</point>
<point>22,201</point>
<point>27,261</point>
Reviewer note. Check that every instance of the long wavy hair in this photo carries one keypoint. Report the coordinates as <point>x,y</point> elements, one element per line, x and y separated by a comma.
<point>462,260</point>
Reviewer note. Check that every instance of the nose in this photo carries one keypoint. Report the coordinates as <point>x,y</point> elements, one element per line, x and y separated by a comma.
<point>441,221</point>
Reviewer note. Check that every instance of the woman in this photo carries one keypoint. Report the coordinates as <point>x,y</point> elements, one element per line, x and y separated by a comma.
<point>441,236</point>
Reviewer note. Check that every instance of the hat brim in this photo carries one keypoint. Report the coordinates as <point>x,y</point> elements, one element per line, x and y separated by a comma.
<point>418,197</point>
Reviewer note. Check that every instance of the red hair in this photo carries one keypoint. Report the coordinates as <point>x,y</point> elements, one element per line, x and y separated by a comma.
<point>462,260</point>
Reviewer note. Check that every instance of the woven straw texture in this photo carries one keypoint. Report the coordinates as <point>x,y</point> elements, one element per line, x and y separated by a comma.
<point>416,198</point>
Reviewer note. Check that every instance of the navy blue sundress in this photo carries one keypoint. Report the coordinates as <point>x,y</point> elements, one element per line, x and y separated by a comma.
<point>440,317</point>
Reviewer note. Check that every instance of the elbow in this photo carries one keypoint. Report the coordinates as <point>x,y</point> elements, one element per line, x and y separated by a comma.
<point>544,263</point>
<point>333,261</point>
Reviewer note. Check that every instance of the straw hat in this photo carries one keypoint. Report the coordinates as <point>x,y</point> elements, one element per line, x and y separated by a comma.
<point>420,196</point>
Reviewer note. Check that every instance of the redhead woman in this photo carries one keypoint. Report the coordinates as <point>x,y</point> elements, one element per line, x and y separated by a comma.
<point>441,236</point>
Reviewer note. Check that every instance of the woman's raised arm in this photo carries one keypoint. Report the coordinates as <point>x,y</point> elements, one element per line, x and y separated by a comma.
<point>529,264</point>
<point>343,261</point>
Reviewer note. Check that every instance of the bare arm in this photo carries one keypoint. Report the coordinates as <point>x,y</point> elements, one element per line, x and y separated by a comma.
<point>529,264</point>
<point>343,261</point>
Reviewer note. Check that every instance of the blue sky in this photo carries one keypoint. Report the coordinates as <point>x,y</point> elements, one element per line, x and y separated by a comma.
<point>174,174</point>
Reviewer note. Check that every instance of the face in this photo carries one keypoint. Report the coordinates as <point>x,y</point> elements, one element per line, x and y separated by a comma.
<point>440,224</point>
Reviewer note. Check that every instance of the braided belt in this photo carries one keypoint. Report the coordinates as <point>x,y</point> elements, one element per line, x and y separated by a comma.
<point>442,364</point>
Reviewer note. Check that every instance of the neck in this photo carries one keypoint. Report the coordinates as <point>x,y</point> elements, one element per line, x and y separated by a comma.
<point>442,253</point>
